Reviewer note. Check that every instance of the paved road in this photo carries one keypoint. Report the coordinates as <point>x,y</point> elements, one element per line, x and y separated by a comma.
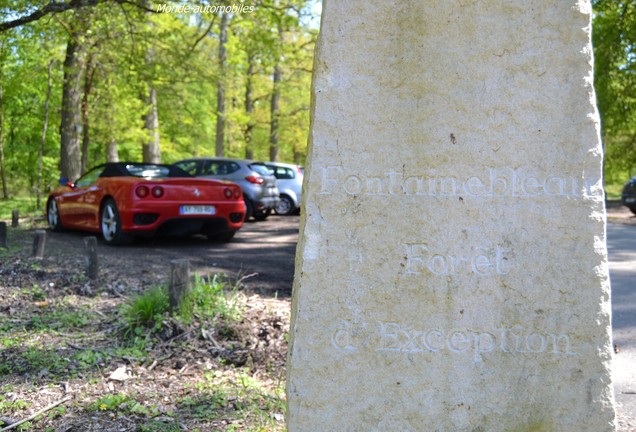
<point>621,244</point>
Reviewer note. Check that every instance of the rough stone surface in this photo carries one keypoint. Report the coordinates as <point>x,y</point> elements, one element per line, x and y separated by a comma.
<point>451,271</point>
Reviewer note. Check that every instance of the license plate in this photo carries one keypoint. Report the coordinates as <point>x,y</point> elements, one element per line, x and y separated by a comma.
<point>630,200</point>
<point>197,210</point>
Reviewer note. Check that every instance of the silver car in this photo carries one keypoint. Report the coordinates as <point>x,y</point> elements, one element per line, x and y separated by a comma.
<point>256,181</point>
<point>289,179</point>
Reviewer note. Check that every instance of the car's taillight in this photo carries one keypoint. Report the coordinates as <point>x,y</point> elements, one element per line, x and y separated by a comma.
<point>232,192</point>
<point>255,179</point>
<point>157,191</point>
<point>142,191</point>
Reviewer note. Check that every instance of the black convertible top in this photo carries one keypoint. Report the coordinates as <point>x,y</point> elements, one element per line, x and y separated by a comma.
<point>145,170</point>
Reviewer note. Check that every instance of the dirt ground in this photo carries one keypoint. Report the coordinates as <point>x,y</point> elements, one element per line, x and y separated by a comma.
<point>201,377</point>
<point>617,213</point>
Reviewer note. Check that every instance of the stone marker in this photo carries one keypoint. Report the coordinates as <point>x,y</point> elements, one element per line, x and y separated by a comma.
<point>180,284</point>
<point>39,243</point>
<point>3,235</point>
<point>90,253</point>
<point>451,270</point>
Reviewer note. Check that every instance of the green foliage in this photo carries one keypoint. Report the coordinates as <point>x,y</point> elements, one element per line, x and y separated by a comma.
<point>25,204</point>
<point>122,404</point>
<point>11,405</point>
<point>123,52</point>
<point>614,38</point>
<point>146,309</point>
<point>61,320</point>
<point>238,396</point>
<point>160,426</point>
<point>211,298</point>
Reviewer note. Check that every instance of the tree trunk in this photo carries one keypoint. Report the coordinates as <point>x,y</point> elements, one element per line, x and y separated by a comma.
<point>111,151</point>
<point>249,109</point>
<point>152,149</point>
<point>275,114</point>
<point>71,124</point>
<point>3,174</point>
<point>5,191</point>
<point>88,85</point>
<point>275,102</point>
<point>44,128</point>
<point>220,90</point>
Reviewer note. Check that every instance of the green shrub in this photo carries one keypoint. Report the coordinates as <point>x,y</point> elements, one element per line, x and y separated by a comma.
<point>146,309</point>
<point>212,298</point>
<point>209,299</point>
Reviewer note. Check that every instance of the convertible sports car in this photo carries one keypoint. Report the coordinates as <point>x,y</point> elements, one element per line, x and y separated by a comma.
<point>123,200</point>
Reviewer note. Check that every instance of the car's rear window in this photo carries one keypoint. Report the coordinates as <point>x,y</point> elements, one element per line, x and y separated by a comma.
<point>155,171</point>
<point>261,169</point>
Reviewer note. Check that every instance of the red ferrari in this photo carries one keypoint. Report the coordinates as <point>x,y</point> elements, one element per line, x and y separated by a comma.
<point>123,200</point>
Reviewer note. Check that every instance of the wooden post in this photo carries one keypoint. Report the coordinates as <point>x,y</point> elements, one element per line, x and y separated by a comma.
<point>39,241</point>
<point>15,218</point>
<point>179,282</point>
<point>90,250</point>
<point>3,235</point>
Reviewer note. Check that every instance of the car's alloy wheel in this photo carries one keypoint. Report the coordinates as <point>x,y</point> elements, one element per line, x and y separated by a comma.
<point>285,206</point>
<point>111,225</point>
<point>53,215</point>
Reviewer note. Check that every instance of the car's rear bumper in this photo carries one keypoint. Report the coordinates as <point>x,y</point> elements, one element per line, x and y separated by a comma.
<point>629,200</point>
<point>166,218</point>
<point>265,203</point>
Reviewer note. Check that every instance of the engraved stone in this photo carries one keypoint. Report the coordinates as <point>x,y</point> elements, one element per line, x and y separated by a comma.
<point>451,272</point>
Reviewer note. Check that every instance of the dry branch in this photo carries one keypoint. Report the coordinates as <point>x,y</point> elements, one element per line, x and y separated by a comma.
<point>42,411</point>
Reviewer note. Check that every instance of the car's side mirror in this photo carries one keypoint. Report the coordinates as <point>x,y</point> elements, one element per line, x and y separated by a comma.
<point>65,182</point>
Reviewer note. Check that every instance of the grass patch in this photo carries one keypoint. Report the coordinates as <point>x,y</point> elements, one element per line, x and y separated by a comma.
<point>210,298</point>
<point>122,404</point>
<point>213,298</point>
<point>613,191</point>
<point>27,206</point>
<point>238,396</point>
<point>146,309</point>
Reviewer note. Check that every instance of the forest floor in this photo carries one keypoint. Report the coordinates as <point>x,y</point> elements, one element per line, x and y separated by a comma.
<point>66,351</point>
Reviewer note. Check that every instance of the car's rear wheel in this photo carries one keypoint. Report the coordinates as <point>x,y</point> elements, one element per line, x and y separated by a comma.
<point>110,223</point>
<point>285,206</point>
<point>249,209</point>
<point>262,215</point>
<point>53,216</point>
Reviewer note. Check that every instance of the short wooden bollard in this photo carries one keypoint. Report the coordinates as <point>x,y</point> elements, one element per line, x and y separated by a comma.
<point>15,218</point>
<point>39,241</point>
<point>179,282</point>
<point>90,250</point>
<point>3,235</point>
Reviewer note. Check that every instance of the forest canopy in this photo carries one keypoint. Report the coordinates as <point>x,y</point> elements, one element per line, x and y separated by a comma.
<point>87,81</point>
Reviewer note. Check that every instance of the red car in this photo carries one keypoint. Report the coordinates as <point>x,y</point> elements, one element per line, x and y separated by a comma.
<point>123,200</point>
